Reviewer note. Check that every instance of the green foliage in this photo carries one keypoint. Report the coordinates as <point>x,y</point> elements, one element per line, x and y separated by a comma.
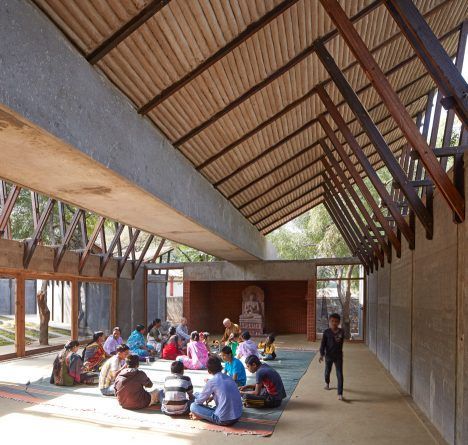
<point>311,235</point>
<point>183,254</point>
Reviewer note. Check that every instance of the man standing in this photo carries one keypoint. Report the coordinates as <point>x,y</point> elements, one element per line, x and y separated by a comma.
<point>230,328</point>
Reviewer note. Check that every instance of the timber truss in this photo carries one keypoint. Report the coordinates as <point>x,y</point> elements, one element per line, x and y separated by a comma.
<point>301,104</point>
<point>65,227</point>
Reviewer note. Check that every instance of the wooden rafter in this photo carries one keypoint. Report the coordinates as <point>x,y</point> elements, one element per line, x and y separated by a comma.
<point>268,80</point>
<point>368,168</point>
<point>315,144</point>
<point>132,25</point>
<point>298,198</point>
<point>330,164</point>
<point>344,222</point>
<point>31,244</point>
<point>137,264</point>
<point>158,251</point>
<point>133,239</point>
<point>286,193</point>
<point>248,32</point>
<point>375,136</point>
<point>399,113</point>
<point>359,182</point>
<point>60,252</point>
<point>87,251</point>
<point>447,76</point>
<point>108,254</point>
<point>344,234</point>
<point>313,91</point>
<point>361,218</point>
<point>7,208</point>
<point>292,214</point>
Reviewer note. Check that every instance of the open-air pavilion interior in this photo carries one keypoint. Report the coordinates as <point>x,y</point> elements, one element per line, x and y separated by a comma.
<point>130,127</point>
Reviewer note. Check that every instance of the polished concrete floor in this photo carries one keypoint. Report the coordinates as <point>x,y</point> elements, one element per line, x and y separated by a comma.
<point>374,411</point>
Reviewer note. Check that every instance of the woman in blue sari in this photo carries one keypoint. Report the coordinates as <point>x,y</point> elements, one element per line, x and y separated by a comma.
<point>137,343</point>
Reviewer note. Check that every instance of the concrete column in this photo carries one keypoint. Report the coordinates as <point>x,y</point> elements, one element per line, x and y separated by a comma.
<point>131,303</point>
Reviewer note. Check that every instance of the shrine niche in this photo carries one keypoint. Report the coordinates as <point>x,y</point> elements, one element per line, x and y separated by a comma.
<point>252,318</point>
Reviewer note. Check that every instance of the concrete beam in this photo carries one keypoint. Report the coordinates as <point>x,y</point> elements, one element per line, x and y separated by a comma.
<point>67,132</point>
<point>252,270</point>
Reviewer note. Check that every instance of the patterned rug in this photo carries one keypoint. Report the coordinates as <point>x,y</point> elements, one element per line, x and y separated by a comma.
<point>87,403</point>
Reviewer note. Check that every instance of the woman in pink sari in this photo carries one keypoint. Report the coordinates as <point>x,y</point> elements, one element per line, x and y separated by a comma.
<point>197,353</point>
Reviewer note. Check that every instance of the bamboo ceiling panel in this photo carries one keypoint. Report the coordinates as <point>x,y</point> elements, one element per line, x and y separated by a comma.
<point>248,122</point>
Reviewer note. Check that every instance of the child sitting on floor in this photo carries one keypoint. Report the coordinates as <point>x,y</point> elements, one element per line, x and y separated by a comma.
<point>177,395</point>
<point>247,348</point>
<point>233,366</point>
<point>233,342</point>
<point>268,348</point>
<point>204,338</point>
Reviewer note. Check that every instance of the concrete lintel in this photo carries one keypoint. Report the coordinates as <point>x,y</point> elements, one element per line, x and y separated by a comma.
<point>252,270</point>
<point>67,132</point>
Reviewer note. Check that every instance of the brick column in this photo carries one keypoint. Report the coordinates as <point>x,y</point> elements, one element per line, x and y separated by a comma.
<point>186,301</point>
<point>311,305</point>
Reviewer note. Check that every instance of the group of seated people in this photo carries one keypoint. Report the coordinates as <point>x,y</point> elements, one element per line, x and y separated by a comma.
<point>114,365</point>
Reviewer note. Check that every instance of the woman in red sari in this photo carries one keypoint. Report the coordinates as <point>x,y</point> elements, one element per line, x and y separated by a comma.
<point>172,349</point>
<point>94,355</point>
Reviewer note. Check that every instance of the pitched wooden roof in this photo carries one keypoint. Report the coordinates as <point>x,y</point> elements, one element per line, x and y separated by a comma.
<point>231,83</point>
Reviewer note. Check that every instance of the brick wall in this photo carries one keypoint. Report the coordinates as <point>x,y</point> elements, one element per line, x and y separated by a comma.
<point>208,303</point>
<point>311,310</point>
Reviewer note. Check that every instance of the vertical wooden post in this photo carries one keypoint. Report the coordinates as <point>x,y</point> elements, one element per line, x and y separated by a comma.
<point>311,297</point>
<point>75,295</point>
<point>20,340</point>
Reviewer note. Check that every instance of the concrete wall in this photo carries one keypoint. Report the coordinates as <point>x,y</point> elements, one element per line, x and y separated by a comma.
<point>94,308</point>
<point>417,321</point>
<point>130,303</point>
<point>156,297</point>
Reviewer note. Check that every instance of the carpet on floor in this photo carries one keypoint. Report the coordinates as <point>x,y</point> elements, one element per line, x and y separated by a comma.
<point>86,402</point>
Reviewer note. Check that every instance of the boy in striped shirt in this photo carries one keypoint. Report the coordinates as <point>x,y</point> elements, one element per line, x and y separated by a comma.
<point>177,395</point>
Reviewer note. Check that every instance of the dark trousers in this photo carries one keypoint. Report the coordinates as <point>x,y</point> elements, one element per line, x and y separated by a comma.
<point>338,361</point>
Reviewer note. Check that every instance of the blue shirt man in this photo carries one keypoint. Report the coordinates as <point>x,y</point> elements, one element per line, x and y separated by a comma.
<point>223,390</point>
